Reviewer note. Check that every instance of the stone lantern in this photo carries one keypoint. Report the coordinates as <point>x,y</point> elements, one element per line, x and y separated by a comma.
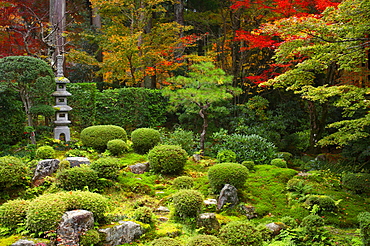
<point>61,122</point>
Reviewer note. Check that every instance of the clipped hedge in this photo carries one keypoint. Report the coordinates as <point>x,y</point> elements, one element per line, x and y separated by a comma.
<point>144,139</point>
<point>187,203</point>
<point>106,167</point>
<point>98,136</point>
<point>12,171</point>
<point>241,233</point>
<point>227,173</point>
<point>45,152</point>
<point>77,178</point>
<point>204,240</point>
<point>13,213</point>
<point>167,159</point>
<point>165,241</point>
<point>117,146</point>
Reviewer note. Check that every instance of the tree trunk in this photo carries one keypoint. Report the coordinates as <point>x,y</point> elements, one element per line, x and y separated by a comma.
<point>27,106</point>
<point>317,124</point>
<point>203,114</point>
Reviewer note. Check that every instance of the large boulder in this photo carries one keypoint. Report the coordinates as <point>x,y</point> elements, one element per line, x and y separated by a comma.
<point>209,223</point>
<point>44,168</point>
<point>228,196</point>
<point>139,168</point>
<point>73,224</point>
<point>77,161</point>
<point>125,232</point>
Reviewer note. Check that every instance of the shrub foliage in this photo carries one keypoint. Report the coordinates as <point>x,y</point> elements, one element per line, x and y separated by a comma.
<point>167,159</point>
<point>227,173</point>
<point>144,139</point>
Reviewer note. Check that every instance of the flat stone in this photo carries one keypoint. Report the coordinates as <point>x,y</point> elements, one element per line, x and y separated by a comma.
<point>162,209</point>
<point>139,168</point>
<point>77,161</point>
<point>125,232</point>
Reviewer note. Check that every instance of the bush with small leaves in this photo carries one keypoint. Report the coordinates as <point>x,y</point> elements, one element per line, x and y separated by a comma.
<point>144,139</point>
<point>234,174</point>
<point>278,162</point>
<point>77,178</point>
<point>13,213</point>
<point>165,241</point>
<point>187,203</point>
<point>180,137</point>
<point>45,152</point>
<point>183,182</point>
<point>167,159</point>
<point>241,233</point>
<point>250,165</point>
<point>107,167</point>
<point>226,155</point>
<point>91,237</point>
<point>117,146</point>
<point>64,165</point>
<point>204,240</point>
<point>325,203</point>
<point>144,215</point>
<point>364,221</point>
<point>312,223</point>
<point>12,171</point>
<point>357,182</point>
<point>76,153</point>
<point>98,136</point>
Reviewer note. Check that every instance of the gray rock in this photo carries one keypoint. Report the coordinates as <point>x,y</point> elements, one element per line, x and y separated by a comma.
<point>23,242</point>
<point>45,168</point>
<point>73,224</point>
<point>249,211</point>
<point>208,222</point>
<point>163,219</point>
<point>139,168</point>
<point>275,228</point>
<point>162,209</point>
<point>210,202</point>
<point>77,161</point>
<point>125,232</point>
<point>229,196</point>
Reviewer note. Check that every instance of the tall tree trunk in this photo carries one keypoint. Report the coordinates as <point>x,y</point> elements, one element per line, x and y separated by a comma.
<point>235,47</point>
<point>318,118</point>
<point>27,104</point>
<point>203,114</point>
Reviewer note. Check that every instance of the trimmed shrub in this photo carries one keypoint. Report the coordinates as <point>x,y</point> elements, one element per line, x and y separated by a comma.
<point>364,221</point>
<point>204,240</point>
<point>117,146</point>
<point>312,223</point>
<point>165,241</point>
<point>64,165</point>
<point>91,237</point>
<point>324,202</point>
<point>357,182</point>
<point>12,171</point>
<point>45,152</point>
<point>227,173</point>
<point>13,213</point>
<point>106,167</point>
<point>144,215</point>
<point>241,233</point>
<point>180,137</point>
<point>187,203</point>
<point>144,139</point>
<point>76,153</point>
<point>226,155</point>
<point>45,212</point>
<point>98,136</point>
<point>249,164</point>
<point>167,159</point>
<point>279,162</point>
<point>77,178</point>
<point>183,182</point>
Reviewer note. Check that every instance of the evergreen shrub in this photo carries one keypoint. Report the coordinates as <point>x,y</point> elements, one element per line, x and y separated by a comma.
<point>45,152</point>
<point>12,171</point>
<point>180,137</point>
<point>364,221</point>
<point>183,182</point>
<point>167,159</point>
<point>117,146</point>
<point>226,155</point>
<point>76,153</point>
<point>13,213</point>
<point>279,162</point>
<point>240,233</point>
<point>234,174</point>
<point>165,241</point>
<point>98,136</point>
<point>187,203</point>
<point>144,214</point>
<point>204,240</point>
<point>144,139</point>
<point>357,182</point>
<point>91,237</point>
<point>249,164</point>
<point>312,223</point>
<point>107,167</point>
<point>77,178</point>
<point>63,165</point>
<point>324,202</point>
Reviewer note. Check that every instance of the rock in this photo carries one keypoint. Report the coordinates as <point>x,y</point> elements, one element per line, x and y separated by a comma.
<point>77,161</point>
<point>45,168</point>
<point>210,202</point>
<point>228,195</point>
<point>162,209</point>
<point>24,242</point>
<point>196,157</point>
<point>73,224</point>
<point>208,222</point>
<point>139,168</point>
<point>163,219</point>
<point>125,232</point>
<point>249,211</point>
<point>275,228</point>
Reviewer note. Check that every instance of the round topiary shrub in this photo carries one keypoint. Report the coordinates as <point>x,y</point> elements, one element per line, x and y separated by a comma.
<point>204,240</point>
<point>144,215</point>
<point>165,241</point>
<point>324,202</point>
<point>240,233</point>
<point>45,152</point>
<point>279,162</point>
<point>144,139</point>
<point>12,171</point>
<point>250,165</point>
<point>364,221</point>
<point>117,146</point>
<point>106,167</point>
<point>183,182</point>
<point>91,237</point>
<point>63,165</point>
<point>227,173</point>
<point>312,222</point>
<point>45,212</point>
<point>167,159</point>
<point>77,178</point>
<point>98,136</point>
<point>357,182</point>
<point>13,213</point>
<point>226,155</point>
<point>187,203</point>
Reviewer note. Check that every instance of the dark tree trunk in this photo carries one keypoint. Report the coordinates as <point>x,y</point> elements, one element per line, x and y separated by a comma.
<point>203,114</point>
